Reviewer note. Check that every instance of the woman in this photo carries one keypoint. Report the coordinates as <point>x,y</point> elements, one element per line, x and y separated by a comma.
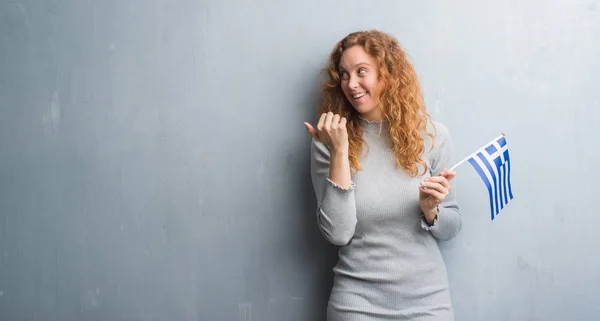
<point>379,174</point>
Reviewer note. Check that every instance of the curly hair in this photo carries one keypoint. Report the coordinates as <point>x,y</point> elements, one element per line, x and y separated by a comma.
<point>401,99</point>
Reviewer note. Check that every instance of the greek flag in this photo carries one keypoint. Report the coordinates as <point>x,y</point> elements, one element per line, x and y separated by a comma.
<point>492,163</point>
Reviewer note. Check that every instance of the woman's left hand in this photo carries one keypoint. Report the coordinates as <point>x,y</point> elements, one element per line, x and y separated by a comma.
<point>433,191</point>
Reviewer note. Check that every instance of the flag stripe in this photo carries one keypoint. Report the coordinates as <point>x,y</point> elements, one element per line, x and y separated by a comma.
<point>506,183</point>
<point>486,181</point>
<point>489,176</point>
<point>494,175</point>
<point>507,159</point>
<point>503,185</point>
<point>501,176</point>
<point>502,191</point>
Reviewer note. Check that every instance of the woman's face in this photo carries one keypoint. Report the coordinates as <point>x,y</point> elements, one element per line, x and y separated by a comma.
<point>359,76</point>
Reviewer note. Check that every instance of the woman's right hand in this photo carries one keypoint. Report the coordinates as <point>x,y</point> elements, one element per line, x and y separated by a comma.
<point>331,131</point>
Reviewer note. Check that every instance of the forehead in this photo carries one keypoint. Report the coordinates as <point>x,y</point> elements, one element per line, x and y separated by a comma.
<point>354,57</point>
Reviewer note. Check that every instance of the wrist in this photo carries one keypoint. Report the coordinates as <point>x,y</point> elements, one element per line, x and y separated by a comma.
<point>340,150</point>
<point>431,215</point>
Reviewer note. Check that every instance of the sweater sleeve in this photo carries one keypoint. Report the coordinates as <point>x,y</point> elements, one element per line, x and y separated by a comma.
<point>336,207</point>
<point>449,220</point>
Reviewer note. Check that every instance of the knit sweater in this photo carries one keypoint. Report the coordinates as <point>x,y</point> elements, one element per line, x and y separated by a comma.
<point>389,263</point>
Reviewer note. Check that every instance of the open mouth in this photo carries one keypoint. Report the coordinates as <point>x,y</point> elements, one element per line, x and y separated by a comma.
<point>359,96</point>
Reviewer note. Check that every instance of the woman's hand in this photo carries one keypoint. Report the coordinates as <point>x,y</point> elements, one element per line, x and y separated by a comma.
<point>331,131</point>
<point>433,191</point>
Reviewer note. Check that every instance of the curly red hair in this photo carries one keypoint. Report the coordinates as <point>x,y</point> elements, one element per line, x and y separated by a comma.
<point>401,99</point>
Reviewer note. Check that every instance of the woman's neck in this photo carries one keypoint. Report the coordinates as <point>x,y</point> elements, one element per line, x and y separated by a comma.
<point>375,115</point>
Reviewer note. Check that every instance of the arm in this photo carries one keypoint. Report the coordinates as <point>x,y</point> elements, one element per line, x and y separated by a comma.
<point>334,189</point>
<point>449,219</point>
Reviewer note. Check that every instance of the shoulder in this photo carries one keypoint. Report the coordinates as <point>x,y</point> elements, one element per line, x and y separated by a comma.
<point>441,153</point>
<point>437,129</point>
<point>440,133</point>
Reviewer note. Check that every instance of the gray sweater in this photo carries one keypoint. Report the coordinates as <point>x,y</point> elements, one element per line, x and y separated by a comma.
<point>389,264</point>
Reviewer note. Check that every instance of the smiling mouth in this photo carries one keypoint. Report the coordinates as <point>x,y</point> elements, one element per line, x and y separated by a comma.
<point>358,96</point>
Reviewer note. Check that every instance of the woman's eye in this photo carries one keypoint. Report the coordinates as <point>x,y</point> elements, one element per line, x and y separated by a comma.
<point>362,71</point>
<point>344,75</point>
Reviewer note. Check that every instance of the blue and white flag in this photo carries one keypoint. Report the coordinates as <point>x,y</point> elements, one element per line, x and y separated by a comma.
<point>492,163</point>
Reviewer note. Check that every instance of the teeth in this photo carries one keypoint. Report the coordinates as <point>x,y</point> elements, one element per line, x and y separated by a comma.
<point>358,95</point>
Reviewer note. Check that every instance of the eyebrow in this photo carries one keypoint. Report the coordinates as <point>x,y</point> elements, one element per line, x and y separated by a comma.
<point>356,65</point>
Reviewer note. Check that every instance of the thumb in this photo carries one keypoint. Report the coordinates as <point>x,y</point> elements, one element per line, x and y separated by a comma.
<point>448,174</point>
<point>310,130</point>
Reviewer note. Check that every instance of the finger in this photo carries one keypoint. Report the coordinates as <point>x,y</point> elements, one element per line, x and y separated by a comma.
<point>343,122</point>
<point>448,174</point>
<point>311,130</point>
<point>438,192</point>
<point>328,120</point>
<point>335,121</point>
<point>309,127</point>
<point>321,123</point>
<point>445,183</point>
<point>434,193</point>
<point>435,186</point>
<point>438,179</point>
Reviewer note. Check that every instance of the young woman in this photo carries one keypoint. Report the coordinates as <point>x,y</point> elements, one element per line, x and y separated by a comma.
<point>380,177</point>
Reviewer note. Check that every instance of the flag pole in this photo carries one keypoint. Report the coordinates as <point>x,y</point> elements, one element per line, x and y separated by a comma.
<point>467,158</point>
